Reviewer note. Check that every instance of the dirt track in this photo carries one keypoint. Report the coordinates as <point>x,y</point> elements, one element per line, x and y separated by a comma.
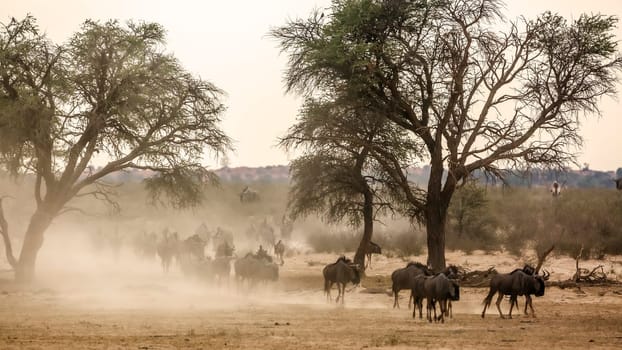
<point>292,315</point>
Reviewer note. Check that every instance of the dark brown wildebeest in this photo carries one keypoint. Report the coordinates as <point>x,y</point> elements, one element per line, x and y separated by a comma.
<point>342,272</point>
<point>438,288</point>
<point>514,284</point>
<point>404,278</point>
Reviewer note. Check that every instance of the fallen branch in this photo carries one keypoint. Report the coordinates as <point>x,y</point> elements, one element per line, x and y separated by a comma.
<point>585,275</point>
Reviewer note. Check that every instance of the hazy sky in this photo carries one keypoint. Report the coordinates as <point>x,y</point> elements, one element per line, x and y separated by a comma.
<point>225,42</point>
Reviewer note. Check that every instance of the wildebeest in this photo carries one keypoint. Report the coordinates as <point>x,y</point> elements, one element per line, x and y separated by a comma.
<point>372,248</point>
<point>404,278</point>
<point>438,288</point>
<point>254,270</point>
<point>514,284</point>
<point>145,245</point>
<point>618,183</point>
<point>224,249</point>
<point>342,272</point>
<point>167,248</point>
<point>217,269</point>
<point>279,250</point>
<point>193,247</point>
<point>247,195</point>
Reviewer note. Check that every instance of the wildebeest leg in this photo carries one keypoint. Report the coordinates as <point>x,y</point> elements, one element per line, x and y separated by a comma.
<point>395,302</point>
<point>488,300</point>
<point>448,309</point>
<point>442,304</point>
<point>513,300</point>
<point>419,303</point>
<point>411,297</point>
<point>528,301</point>
<point>328,285</point>
<point>428,307</point>
<point>499,304</point>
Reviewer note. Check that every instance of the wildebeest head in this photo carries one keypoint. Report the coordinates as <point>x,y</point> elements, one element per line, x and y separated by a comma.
<point>451,272</point>
<point>540,281</point>
<point>528,269</point>
<point>426,271</point>
<point>454,292</point>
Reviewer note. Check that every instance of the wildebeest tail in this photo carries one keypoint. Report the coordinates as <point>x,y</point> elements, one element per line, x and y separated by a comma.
<point>488,299</point>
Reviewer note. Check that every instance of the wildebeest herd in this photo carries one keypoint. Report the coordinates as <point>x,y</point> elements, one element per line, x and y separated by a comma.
<point>439,288</point>
<point>258,266</point>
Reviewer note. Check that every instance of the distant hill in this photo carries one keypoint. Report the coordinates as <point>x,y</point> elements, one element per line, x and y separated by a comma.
<point>280,174</point>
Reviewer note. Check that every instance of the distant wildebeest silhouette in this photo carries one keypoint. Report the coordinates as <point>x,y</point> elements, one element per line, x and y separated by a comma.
<point>217,269</point>
<point>168,248</point>
<point>248,195</point>
<point>224,249</point>
<point>193,247</point>
<point>515,283</point>
<point>342,272</point>
<point>404,278</point>
<point>372,248</point>
<point>279,251</point>
<point>253,269</point>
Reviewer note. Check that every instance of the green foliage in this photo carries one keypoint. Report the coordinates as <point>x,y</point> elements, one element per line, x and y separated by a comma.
<point>471,225</point>
<point>441,72</point>
<point>579,217</point>
<point>110,91</point>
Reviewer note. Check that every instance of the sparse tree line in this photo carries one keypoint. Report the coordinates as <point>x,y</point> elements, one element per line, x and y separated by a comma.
<point>386,85</point>
<point>512,220</point>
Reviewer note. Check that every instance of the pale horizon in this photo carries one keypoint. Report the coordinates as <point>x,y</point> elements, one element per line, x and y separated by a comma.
<point>226,43</point>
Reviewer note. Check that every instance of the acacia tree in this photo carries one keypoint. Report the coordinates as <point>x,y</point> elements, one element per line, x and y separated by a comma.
<point>479,99</point>
<point>112,92</point>
<point>336,175</point>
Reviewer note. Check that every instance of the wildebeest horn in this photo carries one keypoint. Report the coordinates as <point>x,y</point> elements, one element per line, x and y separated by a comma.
<point>546,275</point>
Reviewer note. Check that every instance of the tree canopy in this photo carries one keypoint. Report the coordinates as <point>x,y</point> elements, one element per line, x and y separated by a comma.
<point>477,97</point>
<point>111,93</point>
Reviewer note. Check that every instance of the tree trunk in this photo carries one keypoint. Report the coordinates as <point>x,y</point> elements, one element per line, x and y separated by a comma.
<point>368,230</point>
<point>435,228</point>
<point>39,222</point>
<point>437,204</point>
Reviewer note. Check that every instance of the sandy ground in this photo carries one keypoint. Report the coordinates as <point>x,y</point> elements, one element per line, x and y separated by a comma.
<point>136,306</point>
